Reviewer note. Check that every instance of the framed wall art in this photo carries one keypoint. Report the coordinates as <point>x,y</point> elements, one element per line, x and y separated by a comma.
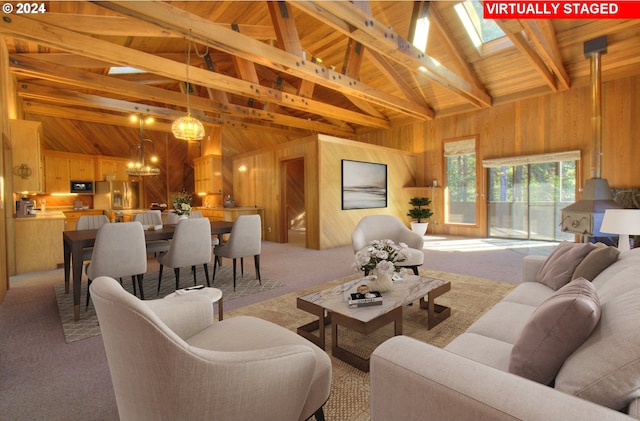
<point>364,185</point>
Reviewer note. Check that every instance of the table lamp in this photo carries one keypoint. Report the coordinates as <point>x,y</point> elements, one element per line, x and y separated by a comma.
<point>623,222</point>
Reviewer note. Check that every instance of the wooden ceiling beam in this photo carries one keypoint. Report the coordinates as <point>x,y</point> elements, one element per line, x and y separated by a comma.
<point>377,36</point>
<point>217,36</point>
<point>102,50</point>
<point>451,46</point>
<point>513,30</point>
<point>541,34</point>
<point>87,80</point>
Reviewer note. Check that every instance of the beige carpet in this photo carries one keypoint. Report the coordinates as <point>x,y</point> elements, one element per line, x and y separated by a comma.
<point>469,298</point>
<point>88,325</point>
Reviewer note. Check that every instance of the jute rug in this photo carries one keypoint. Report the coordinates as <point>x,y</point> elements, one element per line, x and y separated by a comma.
<point>469,298</point>
<point>88,325</point>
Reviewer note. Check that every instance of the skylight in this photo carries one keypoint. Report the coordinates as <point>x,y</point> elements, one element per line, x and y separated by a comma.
<point>480,30</point>
<point>421,34</point>
<point>125,70</point>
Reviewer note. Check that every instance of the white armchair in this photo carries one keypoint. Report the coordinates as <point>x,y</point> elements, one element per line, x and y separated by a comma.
<point>382,227</point>
<point>169,361</point>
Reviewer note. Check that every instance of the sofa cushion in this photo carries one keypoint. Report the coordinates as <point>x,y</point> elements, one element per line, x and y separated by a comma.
<point>555,329</point>
<point>606,368</point>
<point>562,262</point>
<point>595,262</point>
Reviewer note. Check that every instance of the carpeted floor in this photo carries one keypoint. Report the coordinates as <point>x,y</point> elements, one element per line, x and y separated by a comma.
<point>88,325</point>
<point>469,298</point>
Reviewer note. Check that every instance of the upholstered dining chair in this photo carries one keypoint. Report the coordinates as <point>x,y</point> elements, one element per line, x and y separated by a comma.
<point>245,239</point>
<point>119,251</point>
<point>195,214</point>
<point>382,227</point>
<point>190,246</point>
<point>90,222</point>
<point>149,218</point>
<point>170,361</point>
<point>172,218</point>
<point>154,218</point>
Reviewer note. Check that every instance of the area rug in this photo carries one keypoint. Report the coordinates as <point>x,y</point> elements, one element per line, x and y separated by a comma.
<point>88,325</point>
<point>469,298</point>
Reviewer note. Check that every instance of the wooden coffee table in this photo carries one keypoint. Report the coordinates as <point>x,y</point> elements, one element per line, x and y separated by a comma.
<point>331,307</point>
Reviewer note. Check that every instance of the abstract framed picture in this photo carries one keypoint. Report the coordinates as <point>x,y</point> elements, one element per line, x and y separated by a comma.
<point>364,185</point>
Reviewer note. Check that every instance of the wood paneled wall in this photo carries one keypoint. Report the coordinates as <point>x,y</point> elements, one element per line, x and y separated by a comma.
<point>550,123</point>
<point>327,224</point>
<point>7,97</point>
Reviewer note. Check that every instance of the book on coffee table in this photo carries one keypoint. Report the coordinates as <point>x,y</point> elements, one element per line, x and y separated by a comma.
<point>371,298</point>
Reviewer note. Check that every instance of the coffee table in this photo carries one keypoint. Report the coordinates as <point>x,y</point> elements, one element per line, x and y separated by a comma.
<point>331,307</point>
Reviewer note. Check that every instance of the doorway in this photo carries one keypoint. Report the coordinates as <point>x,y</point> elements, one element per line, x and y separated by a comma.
<point>293,220</point>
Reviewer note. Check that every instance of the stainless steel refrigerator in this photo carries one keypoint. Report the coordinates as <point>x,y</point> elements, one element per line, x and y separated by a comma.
<point>116,195</point>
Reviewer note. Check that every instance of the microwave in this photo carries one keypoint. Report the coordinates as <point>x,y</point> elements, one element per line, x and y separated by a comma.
<point>82,187</point>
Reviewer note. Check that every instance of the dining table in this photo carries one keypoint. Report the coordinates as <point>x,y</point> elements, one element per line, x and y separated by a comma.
<point>75,241</point>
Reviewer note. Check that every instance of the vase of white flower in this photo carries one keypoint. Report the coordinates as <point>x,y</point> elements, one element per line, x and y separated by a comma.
<point>379,260</point>
<point>182,203</point>
<point>380,281</point>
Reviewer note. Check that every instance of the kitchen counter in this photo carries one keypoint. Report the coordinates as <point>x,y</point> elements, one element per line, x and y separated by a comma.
<point>38,242</point>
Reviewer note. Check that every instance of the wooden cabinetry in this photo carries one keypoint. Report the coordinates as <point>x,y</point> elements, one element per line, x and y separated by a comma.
<point>115,166</point>
<point>207,172</point>
<point>71,217</point>
<point>27,147</point>
<point>56,174</point>
<point>38,243</point>
<point>81,169</point>
<point>231,214</point>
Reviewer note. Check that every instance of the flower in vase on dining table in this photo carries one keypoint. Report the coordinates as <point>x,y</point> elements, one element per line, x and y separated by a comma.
<point>182,203</point>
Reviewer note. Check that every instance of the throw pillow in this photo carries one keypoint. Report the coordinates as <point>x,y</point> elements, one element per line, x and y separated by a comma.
<point>561,263</point>
<point>555,329</point>
<point>595,262</point>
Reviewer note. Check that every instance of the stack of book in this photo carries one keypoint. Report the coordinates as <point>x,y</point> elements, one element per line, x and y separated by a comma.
<point>371,298</point>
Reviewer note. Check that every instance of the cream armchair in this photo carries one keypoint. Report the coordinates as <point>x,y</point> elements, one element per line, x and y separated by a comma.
<point>382,227</point>
<point>169,361</point>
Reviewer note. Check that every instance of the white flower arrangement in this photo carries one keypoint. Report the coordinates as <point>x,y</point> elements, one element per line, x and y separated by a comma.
<point>382,255</point>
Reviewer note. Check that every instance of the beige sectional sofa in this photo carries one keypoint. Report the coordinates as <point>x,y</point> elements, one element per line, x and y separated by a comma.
<point>470,380</point>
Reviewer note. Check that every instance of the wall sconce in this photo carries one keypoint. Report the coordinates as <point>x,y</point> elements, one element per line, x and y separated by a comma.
<point>242,168</point>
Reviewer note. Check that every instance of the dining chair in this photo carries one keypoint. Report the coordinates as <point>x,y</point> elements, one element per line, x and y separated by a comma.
<point>169,360</point>
<point>195,214</point>
<point>90,222</point>
<point>119,251</point>
<point>149,218</point>
<point>190,246</point>
<point>152,218</point>
<point>245,240</point>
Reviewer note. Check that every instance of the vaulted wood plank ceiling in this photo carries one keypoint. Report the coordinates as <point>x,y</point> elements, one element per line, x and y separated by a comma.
<point>287,69</point>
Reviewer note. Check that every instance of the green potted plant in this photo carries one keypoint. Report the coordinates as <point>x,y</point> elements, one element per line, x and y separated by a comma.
<point>419,212</point>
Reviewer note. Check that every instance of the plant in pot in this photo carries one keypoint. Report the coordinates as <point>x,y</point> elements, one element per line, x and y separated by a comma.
<point>419,213</point>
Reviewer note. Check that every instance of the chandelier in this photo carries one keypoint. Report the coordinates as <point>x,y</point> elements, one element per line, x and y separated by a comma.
<point>187,127</point>
<point>139,160</point>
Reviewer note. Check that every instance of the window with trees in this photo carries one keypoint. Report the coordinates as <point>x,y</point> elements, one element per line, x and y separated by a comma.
<point>461,186</point>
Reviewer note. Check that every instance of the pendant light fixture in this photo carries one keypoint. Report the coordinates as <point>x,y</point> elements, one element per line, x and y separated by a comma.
<point>187,127</point>
<point>141,158</point>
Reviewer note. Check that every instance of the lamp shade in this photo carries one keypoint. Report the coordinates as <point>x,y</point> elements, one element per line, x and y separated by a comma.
<point>624,222</point>
<point>187,128</point>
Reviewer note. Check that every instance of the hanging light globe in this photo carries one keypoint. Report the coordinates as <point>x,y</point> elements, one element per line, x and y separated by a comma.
<point>187,128</point>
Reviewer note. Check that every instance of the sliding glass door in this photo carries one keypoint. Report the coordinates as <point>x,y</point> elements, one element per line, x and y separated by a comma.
<point>525,201</point>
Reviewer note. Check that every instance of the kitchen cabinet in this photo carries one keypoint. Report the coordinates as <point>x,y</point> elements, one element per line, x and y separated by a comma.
<point>56,174</point>
<point>38,243</point>
<point>81,169</point>
<point>207,171</point>
<point>115,166</point>
<point>27,145</point>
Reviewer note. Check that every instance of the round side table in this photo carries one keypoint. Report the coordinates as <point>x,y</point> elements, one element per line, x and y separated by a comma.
<point>213,294</point>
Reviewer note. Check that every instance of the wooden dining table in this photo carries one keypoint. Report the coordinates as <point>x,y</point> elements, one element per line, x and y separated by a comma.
<point>75,241</point>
